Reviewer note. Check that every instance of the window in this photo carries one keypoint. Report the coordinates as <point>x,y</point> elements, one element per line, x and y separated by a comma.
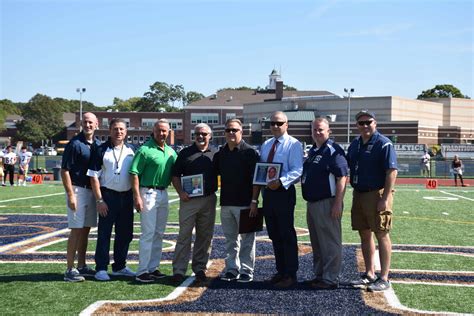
<point>176,124</point>
<point>148,122</point>
<point>209,118</point>
<point>230,116</point>
<point>105,122</point>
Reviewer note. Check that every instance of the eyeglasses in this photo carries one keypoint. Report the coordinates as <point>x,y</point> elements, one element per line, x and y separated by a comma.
<point>201,134</point>
<point>233,130</point>
<point>272,123</point>
<point>362,123</point>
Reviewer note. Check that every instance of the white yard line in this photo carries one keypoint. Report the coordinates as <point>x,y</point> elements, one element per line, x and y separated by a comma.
<point>456,195</point>
<point>457,272</point>
<point>434,283</point>
<point>470,255</point>
<point>33,197</point>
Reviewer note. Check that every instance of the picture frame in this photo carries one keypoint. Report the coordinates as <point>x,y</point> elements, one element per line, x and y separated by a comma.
<point>193,185</point>
<point>266,172</point>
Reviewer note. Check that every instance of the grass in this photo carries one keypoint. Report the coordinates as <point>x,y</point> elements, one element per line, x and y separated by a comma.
<point>421,217</point>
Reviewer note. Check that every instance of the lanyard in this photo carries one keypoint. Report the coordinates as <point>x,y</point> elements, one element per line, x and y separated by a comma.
<point>117,160</point>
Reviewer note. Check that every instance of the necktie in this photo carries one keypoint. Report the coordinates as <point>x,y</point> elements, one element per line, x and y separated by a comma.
<point>271,154</point>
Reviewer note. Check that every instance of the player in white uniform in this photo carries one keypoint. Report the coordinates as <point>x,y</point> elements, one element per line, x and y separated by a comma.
<point>25,157</point>
<point>9,160</point>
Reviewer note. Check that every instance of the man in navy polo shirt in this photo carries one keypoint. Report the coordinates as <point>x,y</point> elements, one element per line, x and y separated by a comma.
<point>81,210</point>
<point>373,164</point>
<point>111,184</point>
<point>323,185</point>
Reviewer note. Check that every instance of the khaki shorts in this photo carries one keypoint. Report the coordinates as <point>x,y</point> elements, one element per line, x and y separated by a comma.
<point>86,213</point>
<point>364,213</point>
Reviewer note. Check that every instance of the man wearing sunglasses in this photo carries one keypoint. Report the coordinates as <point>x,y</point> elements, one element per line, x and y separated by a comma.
<point>235,162</point>
<point>373,171</point>
<point>279,199</point>
<point>198,212</point>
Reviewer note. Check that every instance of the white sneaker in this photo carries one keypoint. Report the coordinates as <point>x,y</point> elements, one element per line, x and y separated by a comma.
<point>124,272</point>
<point>102,276</point>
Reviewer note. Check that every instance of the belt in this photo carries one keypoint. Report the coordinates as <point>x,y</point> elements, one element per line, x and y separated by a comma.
<point>118,192</point>
<point>154,187</point>
<point>367,190</point>
<point>85,186</point>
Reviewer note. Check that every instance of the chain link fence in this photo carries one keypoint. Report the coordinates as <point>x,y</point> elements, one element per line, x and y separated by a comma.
<point>439,168</point>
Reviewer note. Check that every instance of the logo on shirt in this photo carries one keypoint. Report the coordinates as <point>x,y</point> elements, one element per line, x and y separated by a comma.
<point>317,159</point>
<point>369,149</point>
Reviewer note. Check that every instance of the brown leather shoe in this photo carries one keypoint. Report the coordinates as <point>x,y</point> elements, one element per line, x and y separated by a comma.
<point>285,283</point>
<point>275,279</point>
<point>323,286</point>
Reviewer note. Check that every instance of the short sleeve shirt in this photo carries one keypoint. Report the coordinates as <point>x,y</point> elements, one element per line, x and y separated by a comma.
<point>320,170</point>
<point>192,161</point>
<point>76,158</point>
<point>153,165</point>
<point>25,158</point>
<point>369,162</point>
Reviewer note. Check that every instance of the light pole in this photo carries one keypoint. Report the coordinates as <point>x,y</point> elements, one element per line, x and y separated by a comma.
<point>80,91</point>
<point>349,93</point>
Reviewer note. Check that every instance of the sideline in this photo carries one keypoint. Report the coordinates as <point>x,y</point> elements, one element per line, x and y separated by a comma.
<point>33,197</point>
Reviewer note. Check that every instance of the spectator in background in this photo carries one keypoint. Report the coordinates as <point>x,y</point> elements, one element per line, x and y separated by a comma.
<point>110,181</point>
<point>425,164</point>
<point>81,206</point>
<point>1,167</point>
<point>9,161</point>
<point>457,167</point>
<point>25,157</point>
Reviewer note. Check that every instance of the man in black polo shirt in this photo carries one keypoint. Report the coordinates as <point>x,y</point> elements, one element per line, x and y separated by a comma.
<point>235,162</point>
<point>81,206</point>
<point>199,212</point>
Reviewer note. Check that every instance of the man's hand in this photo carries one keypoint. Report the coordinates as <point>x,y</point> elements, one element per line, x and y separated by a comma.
<point>137,200</point>
<point>102,209</point>
<point>183,196</point>
<point>336,211</point>
<point>253,210</point>
<point>382,205</point>
<point>274,184</point>
<point>71,201</point>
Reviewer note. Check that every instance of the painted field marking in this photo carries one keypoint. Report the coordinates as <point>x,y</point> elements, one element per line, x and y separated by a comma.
<point>33,197</point>
<point>35,206</point>
<point>459,196</point>
<point>444,213</point>
<point>440,198</point>
<point>433,283</point>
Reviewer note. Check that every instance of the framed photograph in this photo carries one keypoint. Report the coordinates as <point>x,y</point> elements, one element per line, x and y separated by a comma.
<point>193,185</point>
<point>266,172</point>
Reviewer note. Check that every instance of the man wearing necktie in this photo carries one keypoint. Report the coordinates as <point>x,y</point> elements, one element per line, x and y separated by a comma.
<point>279,199</point>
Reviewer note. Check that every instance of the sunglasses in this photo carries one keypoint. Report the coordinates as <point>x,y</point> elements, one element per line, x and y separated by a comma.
<point>363,123</point>
<point>201,134</point>
<point>232,130</point>
<point>272,123</point>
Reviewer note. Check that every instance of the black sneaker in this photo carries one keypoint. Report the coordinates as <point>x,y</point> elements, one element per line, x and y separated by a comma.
<point>86,271</point>
<point>378,285</point>
<point>201,276</point>
<point>244,278</point>
<point>363,281</point>
<point>157,274</point>
<point>229,276</point>
<point>72,275</point>
<point>177,278</point>
<point>144,278</point>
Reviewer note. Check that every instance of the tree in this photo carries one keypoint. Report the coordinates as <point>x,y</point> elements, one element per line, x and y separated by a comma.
<point>193,96</point>
<point>442,91</point>
<point>8,107</point>
<point>42,119</point>
<point>161,95</point>
<point>128,105</point>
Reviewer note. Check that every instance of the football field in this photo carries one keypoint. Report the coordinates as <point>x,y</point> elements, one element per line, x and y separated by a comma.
<point>432,264</point>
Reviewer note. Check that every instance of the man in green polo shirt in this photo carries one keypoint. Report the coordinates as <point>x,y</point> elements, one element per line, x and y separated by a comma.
<point>151,175</point>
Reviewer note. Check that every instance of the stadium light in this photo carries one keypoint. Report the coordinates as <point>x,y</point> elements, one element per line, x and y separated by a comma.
<point>349,93</point>
<point>80,91</point>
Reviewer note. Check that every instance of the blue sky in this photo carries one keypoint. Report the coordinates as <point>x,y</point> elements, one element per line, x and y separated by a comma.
<point>119,48</point>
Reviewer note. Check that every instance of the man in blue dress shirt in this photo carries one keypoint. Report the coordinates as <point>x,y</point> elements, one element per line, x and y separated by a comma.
<point>373,165</point>
<point>279,199</point>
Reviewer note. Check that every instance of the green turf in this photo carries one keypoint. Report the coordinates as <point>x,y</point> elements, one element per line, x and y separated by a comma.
<point>436,298</point>
<point>21,283</point>
<point>426,261</point>
<point>417,221</point>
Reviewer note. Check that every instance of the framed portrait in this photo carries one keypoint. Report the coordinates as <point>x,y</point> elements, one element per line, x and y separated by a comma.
<point>193,185</point>
<point>266,172</point>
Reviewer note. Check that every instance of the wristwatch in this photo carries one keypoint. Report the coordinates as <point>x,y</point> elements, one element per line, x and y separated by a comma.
<point>255,201</point>
<point>99,201</point>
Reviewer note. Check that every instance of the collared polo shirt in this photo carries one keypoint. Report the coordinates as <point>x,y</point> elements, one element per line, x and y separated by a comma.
<point>289,152</point>
<point>76,158</point>
<point>153,165</point>
<point>111,166</point>
<point>236,168</point>
<point>369,162</point>
<point>192,161</point>
<point>320,170</point>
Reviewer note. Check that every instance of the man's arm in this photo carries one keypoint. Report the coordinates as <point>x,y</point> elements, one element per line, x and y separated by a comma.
<point>254,206</point>
<point>67,183</point>
<point>177,185</point>
<point>390,177</point>
<point>137,199</point>
<point>101,205</point>
<point>336,209</point>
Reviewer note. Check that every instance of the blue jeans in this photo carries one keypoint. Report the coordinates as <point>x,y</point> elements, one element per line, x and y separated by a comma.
<point>120,205</point>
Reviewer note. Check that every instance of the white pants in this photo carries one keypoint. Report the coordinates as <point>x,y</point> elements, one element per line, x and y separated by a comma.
<point>153,220</point>
<point>240,248</point>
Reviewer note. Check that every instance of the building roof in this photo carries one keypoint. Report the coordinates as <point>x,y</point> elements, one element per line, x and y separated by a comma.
<point>241,97</point>
<point>297,116</point>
